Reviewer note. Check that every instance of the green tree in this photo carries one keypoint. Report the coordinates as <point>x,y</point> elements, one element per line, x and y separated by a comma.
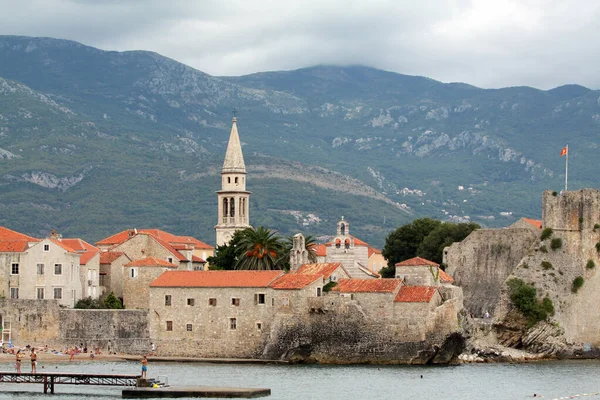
<point>89,303</point>
<point>260,249</point>
<point>111,301</point>
<point>226,255</point>
<point>432,246</point>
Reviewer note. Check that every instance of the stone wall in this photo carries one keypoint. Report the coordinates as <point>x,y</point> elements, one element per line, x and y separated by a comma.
<point>573,210</point>
<point>481,263</point>
<point>32,321</point>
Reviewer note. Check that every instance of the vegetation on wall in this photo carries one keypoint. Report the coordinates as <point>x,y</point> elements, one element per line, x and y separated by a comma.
<point>590,264</point>
<point>577,284</point>
<point>524,298</point>
<point>546,233</point>
<point>556,244</point>
<point>546,265</point>
<point>109,301</point>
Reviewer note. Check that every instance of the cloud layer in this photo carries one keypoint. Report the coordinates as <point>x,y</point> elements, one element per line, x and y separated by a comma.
<point>487,43</point>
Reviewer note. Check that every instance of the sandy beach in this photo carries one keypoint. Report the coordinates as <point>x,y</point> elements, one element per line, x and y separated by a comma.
<point>60,358</point>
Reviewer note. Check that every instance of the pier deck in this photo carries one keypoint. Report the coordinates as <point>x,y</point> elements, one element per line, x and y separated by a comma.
<point>62,378</point>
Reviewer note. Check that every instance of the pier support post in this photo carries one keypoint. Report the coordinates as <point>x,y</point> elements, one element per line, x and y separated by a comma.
<point>45,385</point>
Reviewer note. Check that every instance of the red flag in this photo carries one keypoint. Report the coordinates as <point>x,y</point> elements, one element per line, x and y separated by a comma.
<point>563,152</point>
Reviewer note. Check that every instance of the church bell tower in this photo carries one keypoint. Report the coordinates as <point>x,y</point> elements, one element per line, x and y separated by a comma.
<point>233,198</point>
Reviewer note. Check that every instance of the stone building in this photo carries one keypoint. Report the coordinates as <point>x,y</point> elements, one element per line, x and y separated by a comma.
<point>419,271</point>
<point>89,266</point>
<point>139,274</point>
<point>331,272</point>
<point>233,200</point>
<point>112,271</point>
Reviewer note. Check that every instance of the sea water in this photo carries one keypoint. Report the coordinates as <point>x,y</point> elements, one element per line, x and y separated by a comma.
<point>551,380</point>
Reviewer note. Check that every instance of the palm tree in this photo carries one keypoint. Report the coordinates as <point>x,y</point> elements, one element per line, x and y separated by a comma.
<point>259,249</point>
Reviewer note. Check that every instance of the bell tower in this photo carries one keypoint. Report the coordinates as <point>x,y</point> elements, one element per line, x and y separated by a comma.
<point>233,198</point>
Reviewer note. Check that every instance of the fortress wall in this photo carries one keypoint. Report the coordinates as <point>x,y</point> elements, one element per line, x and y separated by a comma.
<point>571,210</point>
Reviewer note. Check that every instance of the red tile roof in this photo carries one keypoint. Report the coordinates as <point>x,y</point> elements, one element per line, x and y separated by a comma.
<point>416,262</point>
<point>444,277</point>
<point>86,250</point>
<point>357,242</point>
<point>295,281</point>
<point>173,240</point>
<point>534,222</point>
<point>373,250</point>
<point>62,245</point>
<point>260,279</point>
<point>325,269</point>
<point>415,294</point>
<point>320,250</point>
<point>151,262</point>
<point>198,259</point>
<point>107,257</point>
<point>13,246</point>
<point>8,234</point>
<point>367,285</point>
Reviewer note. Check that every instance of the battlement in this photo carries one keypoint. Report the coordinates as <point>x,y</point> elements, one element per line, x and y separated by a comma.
<point>571,210</point>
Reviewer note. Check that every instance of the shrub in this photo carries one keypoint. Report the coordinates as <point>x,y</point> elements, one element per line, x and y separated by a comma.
<point>524,298</point>
<point>581,220</point>
<point>546,233</point>
<point>554,193</point>
<point>598,247</point>
<point>89,303</point>
<point>577,284</point>
<point>525,265</point>
<point>111,301</point>
<point>543,249</point>
<point>596,226</point>
<point>556,244</point>
<point>546,265</point>
<point>329,285</point>
<point>590,264</point>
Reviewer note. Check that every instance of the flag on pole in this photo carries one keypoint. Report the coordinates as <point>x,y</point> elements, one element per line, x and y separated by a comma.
<point>564,151</point>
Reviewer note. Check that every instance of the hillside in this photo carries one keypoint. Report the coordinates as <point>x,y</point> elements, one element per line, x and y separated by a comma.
<point>92,142</point>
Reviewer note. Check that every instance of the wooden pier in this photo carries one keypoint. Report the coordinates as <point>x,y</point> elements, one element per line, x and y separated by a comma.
<point>51,379</point>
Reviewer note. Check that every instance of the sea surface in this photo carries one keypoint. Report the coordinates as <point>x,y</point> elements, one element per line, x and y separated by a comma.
<point>551,380</point>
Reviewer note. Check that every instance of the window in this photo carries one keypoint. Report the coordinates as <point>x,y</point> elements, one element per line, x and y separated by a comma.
<point>167,299</point>
<point>212,302</point>
<point>232,323</point>
<point>235,301</point>
<point>40,269</point>
<point>57,293</point>
<point>14,292</point>
<point>133,273</point>
<point>14,269</point>
<point>170,259</point>
<point>169,326</point>
<point>318,292</point>
<point>259,326</point>
<point>57,269</point>
<point>188,327</point>
<point>46,247</point>
<point>285,301</point>
<point>273,301</point>
<point>259,298</point>
<point>236,180</point>
<point>190,302</point>
<point>40,293</point>
<point>228,179</point>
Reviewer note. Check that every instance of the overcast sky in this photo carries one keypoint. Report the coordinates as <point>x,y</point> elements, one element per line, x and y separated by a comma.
<point>488,43</point>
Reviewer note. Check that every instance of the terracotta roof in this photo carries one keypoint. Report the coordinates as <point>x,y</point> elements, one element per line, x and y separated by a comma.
<point>260,279</point>
<point>415,294</point>
<point>534,222</point>
<point>373,250</point>
<point>198,259</point>
<point>320,250</point>
<point>62,245</point>
<point>13,246</point>
<point>151,262</point>
<point>173,240</point>
<point>295,281</point>
<point>8,234</point>
<point>367,285</point>
<point>416,262</point>
<point>86,250</point>
<point>107,257</point>
<point>444,277</point>
<point>325,269</point>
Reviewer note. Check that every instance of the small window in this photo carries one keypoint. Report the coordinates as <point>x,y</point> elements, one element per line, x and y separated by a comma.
<point>259,298</point>
<point>212,302</point>
<point>14,292</point>
<point>57,269</point>
<point>285,301</point>
<point>189,327</point>
<point>228,179</point>
<point>236,180</point>
<point>46,247</point>
<point>190,302</point>
<point>133,273</point>
<point>235,301</point>
<point>14,269</point>
<point>318,292</point>
<point>40,293</point>
<point>232,323</point>
<point>259,326</point>
<point>170,259</point>
<point>40,269</point>
<point>167,300</point>
<point>58,293</point>
<point>169,326</point>
<point>273,301</point>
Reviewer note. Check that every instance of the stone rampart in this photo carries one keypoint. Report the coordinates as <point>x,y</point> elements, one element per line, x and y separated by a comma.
<point>571,210</point>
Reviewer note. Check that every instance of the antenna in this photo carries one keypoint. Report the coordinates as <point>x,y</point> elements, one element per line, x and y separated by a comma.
<point>234,112</point>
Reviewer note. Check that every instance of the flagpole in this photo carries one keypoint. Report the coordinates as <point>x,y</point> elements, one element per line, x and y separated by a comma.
<point>567,170</point>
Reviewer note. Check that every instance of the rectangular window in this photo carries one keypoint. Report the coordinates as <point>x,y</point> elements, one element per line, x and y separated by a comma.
<point>212,302</point>
<point>57,293</point>
<point>40,293</point>
<point>259,326</point>
<point>188,327</point>
<point>170,259</point>
<point>169,326</point>
<point>14,269</point>
<point>318,292</point>
<point>285,301</point>
<point>40,269</point>
<point>57,269</point>
<point>232,323</point>
<point>167,300</point>
<point>190,302</point>
<point>259,298</point>
<point>14,292</point>
<point>133,273</point>
<point>46,247</point>
<point>235,301</point>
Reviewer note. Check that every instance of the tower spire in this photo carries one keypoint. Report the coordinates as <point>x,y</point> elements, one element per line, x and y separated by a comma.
<point>234,159</point>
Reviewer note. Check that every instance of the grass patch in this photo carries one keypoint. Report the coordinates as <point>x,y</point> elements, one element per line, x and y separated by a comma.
<point>524,298</point>
<point>590,264</point>
<point>596,226</point>
<point>525,265</point>
<point>544,249</point>
<point>546,233</point>
<point>546,265</point>
<point>556,244</point>
<point>577,284</point>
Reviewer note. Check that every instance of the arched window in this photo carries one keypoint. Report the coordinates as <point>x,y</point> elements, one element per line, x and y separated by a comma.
<point>232,207</point>
<point>338,243</point>
<point>343,229</point>
<point>225,208</point>
<point>236,180</point>
<point>347,243</point>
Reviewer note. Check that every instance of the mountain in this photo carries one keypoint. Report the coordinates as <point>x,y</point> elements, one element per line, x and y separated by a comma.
<point>93,142</point>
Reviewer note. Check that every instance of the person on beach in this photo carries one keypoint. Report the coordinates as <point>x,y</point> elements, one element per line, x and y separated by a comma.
<point>71,354</point>
<point>19,358</point>
<point>153,346</point>
<point>144,367</point>
<point>33,361</point>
